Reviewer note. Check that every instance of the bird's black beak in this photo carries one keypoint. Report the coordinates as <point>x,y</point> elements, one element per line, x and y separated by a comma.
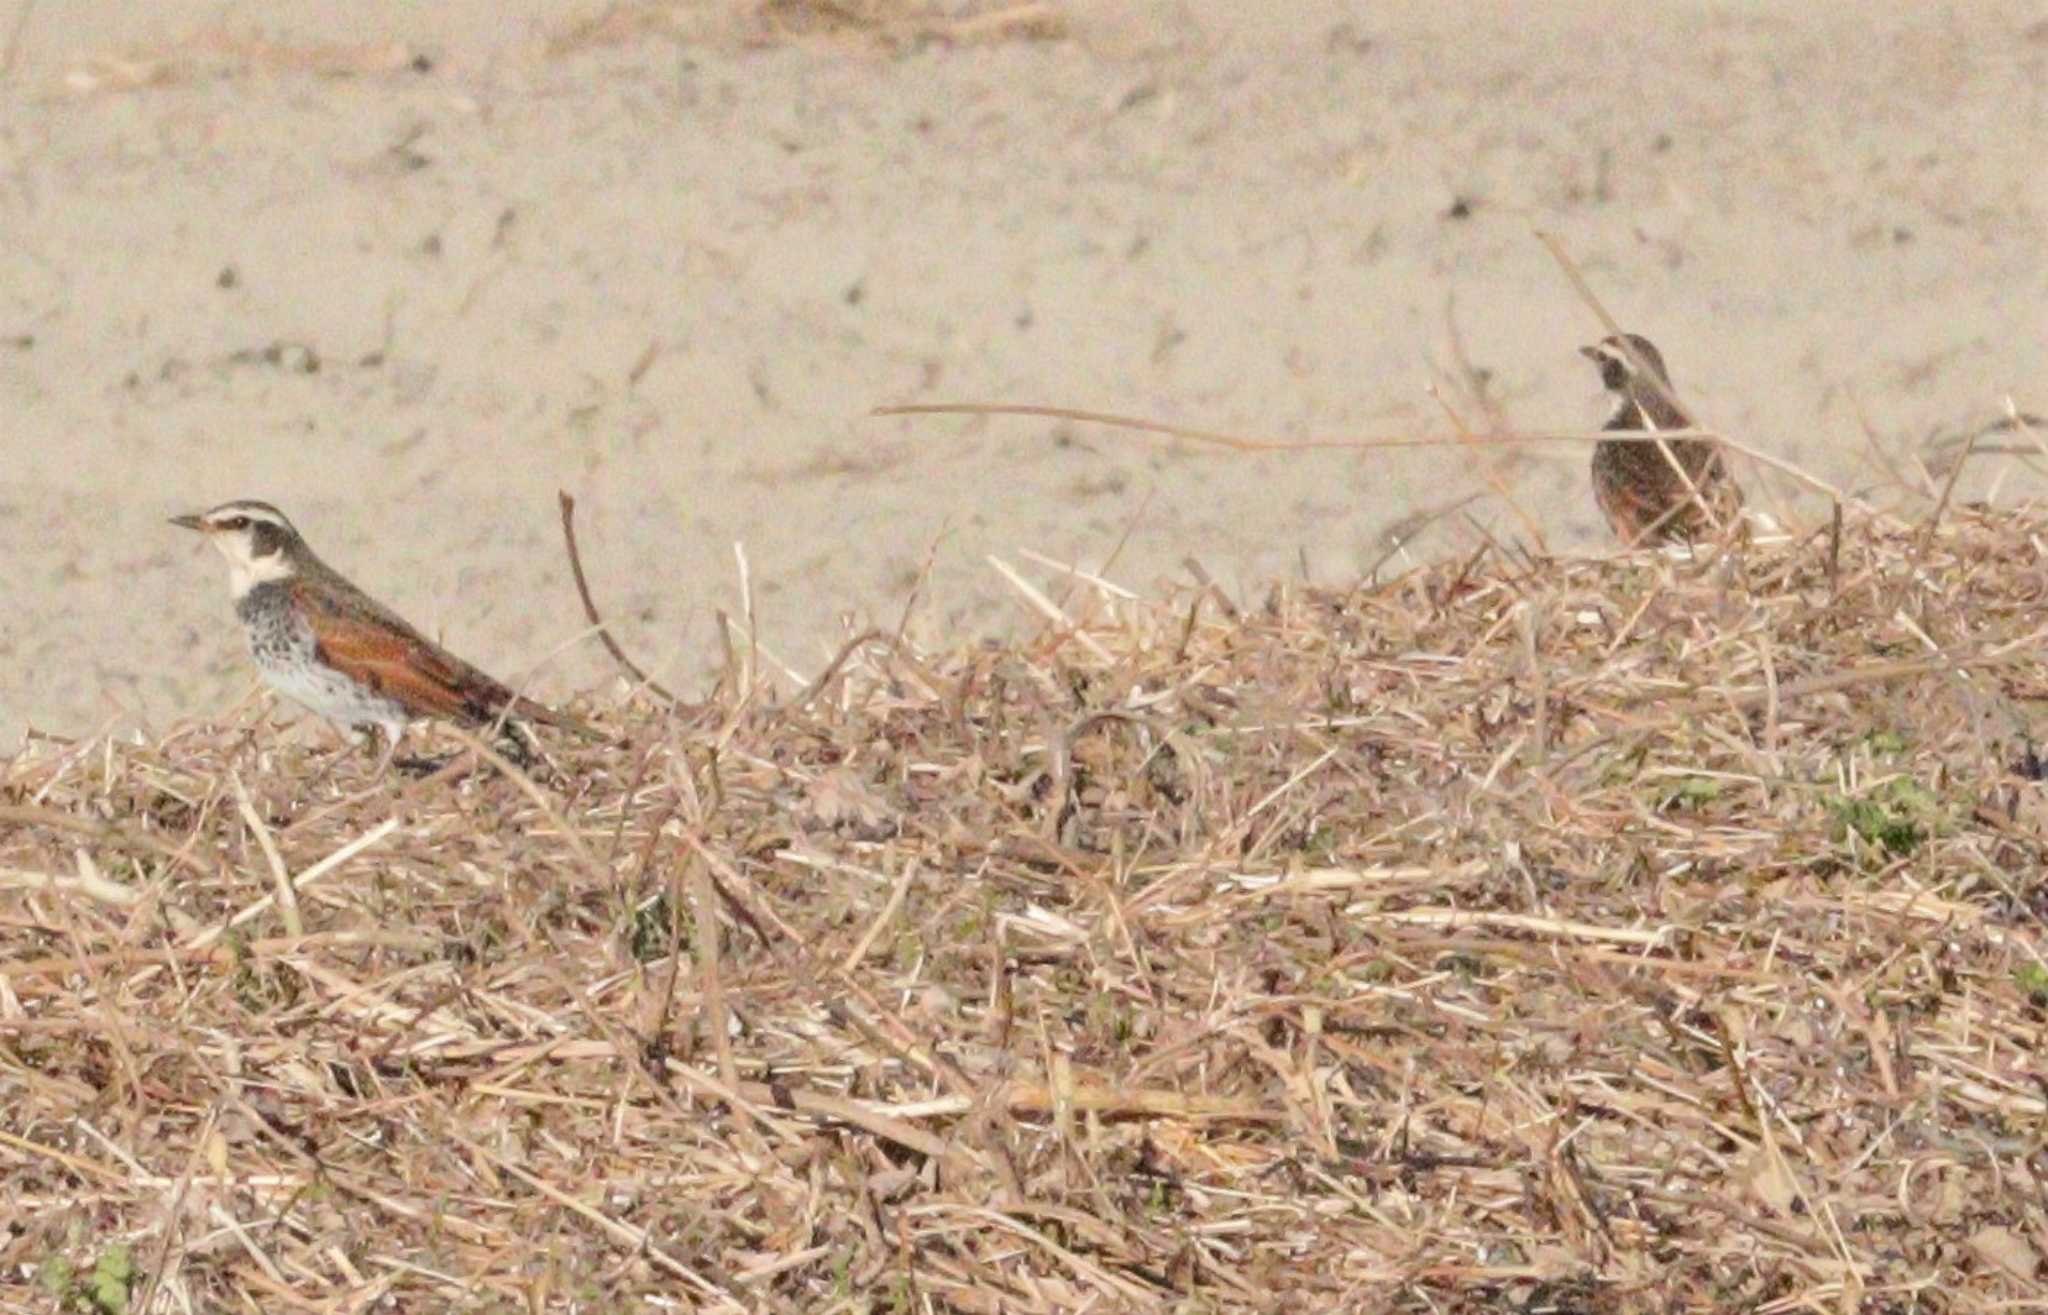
<point>1590,353</point>
<point>189,523</point>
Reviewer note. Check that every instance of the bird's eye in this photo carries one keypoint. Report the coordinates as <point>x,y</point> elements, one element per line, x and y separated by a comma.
<point>235,523</point>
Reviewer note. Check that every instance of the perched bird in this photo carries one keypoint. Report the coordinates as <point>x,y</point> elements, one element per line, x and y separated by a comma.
<point>324,643</point>
<point>1639,484</point>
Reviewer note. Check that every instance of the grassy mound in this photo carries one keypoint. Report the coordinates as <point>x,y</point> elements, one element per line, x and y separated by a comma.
<point>1640,934</point>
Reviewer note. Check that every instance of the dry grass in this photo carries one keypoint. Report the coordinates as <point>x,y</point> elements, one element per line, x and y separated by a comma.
<point>227,50</point>
<point>892,25</point>
<point>918,22</point>
<point>1527,935</point>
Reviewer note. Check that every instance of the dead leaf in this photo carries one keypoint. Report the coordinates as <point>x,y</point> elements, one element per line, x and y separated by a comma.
<point>2003,1249</point>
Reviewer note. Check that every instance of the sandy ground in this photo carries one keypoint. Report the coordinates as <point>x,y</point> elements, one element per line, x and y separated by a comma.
<point>666,259</point>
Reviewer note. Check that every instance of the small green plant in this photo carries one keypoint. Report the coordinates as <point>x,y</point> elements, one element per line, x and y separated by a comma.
<point>1877,825</point>
<point>259,986</point>
<point>652,933</point>
<point>1320,845</point>
<point>104,1291</point>
<point>56,1276</point>
<point>1691,792</point>
<point>113,1279</point>
<point>2033,979</point>
<point>1897,817</point>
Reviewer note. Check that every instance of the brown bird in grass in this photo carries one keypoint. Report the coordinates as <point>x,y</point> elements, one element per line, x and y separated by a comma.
<point>1638,484</point>
<point>324,643</point>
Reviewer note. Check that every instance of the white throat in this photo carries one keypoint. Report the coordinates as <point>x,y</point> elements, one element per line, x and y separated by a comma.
<point>246,572</point>
<point>1625,408</point>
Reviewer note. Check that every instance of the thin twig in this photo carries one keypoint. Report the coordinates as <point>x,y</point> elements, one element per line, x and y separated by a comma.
<point>1247,443</point>
<point>604,634</point>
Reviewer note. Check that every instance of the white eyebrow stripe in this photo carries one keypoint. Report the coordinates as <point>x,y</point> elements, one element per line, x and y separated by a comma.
<point>254,511</point>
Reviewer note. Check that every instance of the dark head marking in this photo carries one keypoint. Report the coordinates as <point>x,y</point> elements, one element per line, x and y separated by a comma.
<point>266,526</point>
<point>1616,371</point>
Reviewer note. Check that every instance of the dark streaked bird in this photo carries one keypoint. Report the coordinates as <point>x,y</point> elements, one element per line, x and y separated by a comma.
<point>324,643</point>
<point>1638,484</point>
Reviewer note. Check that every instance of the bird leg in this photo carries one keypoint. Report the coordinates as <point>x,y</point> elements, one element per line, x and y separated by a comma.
<point>413,765</point>
<point>390,754</point>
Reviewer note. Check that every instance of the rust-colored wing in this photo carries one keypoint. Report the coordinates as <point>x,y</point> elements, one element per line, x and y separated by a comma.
<point>368,644</point>
<point>1643,497</point>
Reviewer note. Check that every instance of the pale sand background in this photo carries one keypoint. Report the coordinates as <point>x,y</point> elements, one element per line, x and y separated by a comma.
<point>1212,211</point>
